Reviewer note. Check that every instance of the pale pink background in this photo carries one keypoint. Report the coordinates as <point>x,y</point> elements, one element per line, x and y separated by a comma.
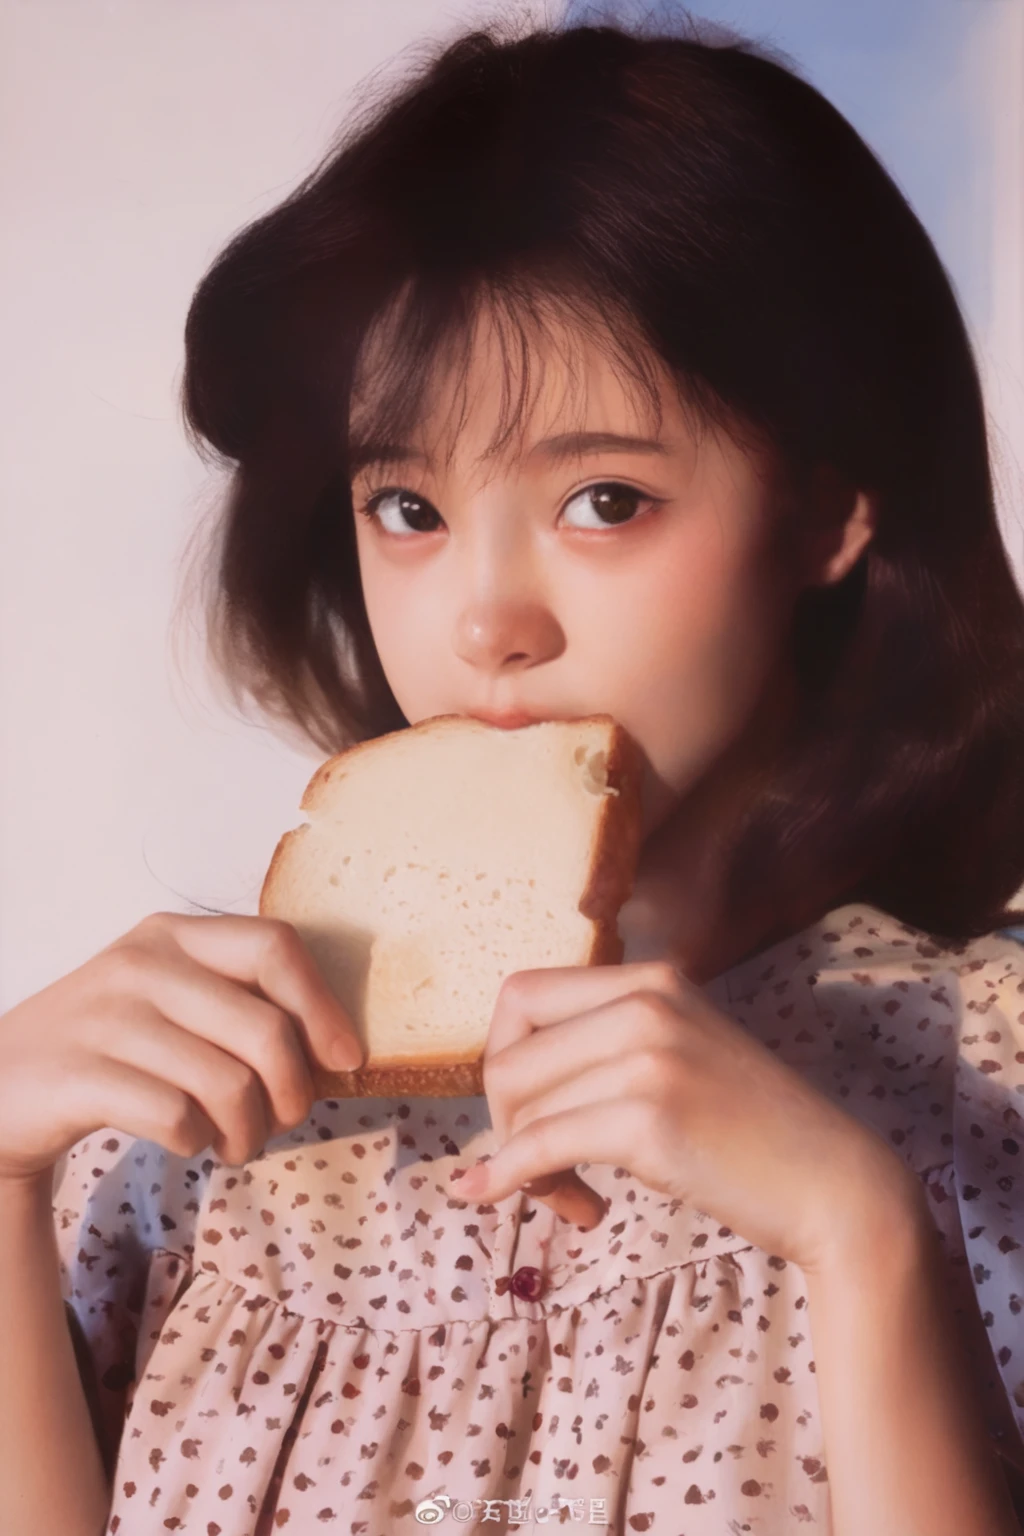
<point>135,138</point>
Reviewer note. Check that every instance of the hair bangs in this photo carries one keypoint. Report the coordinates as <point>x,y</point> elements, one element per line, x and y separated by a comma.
<point>418,352</point>
<point>704,217</point>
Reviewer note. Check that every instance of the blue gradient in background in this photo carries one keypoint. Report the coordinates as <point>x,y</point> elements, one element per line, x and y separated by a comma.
<point>898,70</point>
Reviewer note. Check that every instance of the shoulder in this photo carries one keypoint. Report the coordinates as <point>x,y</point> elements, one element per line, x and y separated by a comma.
<point>124,1218</point>
<point>988,1129</point>
<point>907,1033</point>
<point>114,1190</point>
<point>924,1041</point>
<point>987,1156</point>
<point>866,964</point>
<point>927,1039</point>
<point>990,976</point>
<point>856,986</point>
<point>970,993</point>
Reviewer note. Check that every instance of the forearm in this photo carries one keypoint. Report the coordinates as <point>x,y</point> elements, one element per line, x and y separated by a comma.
<point>51,1470</point>
<point>905,1443</point>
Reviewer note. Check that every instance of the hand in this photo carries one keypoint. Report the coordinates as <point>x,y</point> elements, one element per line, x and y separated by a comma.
<point>187,1031</point>
<point>633,1066</point>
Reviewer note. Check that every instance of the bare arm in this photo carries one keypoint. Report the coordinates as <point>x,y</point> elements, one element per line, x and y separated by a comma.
<point>906,1447</point>
<point>51,1470</point>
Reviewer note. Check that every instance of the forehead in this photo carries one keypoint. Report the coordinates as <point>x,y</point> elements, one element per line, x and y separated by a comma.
<point>505,378</point>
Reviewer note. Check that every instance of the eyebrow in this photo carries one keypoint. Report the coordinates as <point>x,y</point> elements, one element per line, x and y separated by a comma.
<point>565,445</point>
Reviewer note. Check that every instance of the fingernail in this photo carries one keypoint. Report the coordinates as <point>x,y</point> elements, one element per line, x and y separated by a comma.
<point>474,1180</point>
<point>345,1056</point>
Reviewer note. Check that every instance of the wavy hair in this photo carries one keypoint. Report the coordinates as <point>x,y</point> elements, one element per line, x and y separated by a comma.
<point>689,198</point>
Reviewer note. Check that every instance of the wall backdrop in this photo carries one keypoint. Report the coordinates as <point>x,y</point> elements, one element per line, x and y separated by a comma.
<point>136,138</point>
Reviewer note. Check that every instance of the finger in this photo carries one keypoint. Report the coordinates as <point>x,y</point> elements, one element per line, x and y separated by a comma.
<point>228,1089</point>
<point>529,1000</point>
<point>270,954</point>
<point>555,1143</point>
<point>619,1032</point>
<point>565,1192</point>
<point>605,1083</point>
<point>207,1006</point>
<point>612,1084</point>
<point>132,1101</point>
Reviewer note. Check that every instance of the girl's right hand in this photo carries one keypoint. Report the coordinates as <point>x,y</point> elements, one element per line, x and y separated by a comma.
<point>187,1031</point>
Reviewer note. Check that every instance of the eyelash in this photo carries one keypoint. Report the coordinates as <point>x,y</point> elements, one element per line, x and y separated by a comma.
<point>369,508</point>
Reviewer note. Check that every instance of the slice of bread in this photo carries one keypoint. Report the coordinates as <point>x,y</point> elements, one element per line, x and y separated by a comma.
<point>439,859</point>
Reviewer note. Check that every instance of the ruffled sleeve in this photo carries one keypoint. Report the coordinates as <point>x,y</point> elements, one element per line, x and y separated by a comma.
<point>124,1216</point>
<point>988,1160</point>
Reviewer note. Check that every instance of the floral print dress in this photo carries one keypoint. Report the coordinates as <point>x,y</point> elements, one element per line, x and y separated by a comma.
<point>330,1339</point>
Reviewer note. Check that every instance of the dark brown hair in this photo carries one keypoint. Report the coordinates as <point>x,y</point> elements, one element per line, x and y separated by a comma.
<point>715,211</point>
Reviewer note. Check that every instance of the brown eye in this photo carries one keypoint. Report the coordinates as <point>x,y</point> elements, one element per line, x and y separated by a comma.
<point>611,503</point>
<point>397,503</point>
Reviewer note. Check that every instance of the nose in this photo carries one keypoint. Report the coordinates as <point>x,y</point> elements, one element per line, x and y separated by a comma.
<point>493,635</point>
<point>504,619</point>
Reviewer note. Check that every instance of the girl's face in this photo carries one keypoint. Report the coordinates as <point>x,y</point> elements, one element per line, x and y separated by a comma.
<point>628,571</point>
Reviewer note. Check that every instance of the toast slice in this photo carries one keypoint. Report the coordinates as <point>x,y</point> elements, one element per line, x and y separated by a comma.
<point>439,859</point>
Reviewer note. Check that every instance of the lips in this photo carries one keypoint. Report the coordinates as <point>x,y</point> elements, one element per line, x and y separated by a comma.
<point>509,721</point>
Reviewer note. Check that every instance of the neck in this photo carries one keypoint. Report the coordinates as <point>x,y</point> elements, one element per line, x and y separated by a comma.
<point>676,909</point>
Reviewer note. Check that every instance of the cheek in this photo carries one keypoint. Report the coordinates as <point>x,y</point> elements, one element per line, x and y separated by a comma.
<point>409,625</point>
<point>706,611</point>
<point>394,604</point>
<point>689,643</point>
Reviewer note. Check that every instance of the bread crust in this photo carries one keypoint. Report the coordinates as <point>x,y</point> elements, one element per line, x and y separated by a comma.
<point>611,878</point>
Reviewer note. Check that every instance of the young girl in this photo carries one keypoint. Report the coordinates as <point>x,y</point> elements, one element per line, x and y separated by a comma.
<point>593,371</point>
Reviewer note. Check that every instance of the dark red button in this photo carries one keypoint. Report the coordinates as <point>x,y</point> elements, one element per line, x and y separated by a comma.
<point>528,1283</point>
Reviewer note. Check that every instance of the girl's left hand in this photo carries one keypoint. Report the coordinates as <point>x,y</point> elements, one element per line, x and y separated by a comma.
<point>632,1065</point>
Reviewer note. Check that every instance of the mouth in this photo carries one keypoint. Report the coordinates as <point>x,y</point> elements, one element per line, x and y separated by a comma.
<point>509,720</point>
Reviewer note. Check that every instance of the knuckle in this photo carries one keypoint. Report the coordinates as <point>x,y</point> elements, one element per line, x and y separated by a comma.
<point>124,967</point>
<point>649,1065</point>
<point>241,1113</point>
<point>537,1136</point>
<point>495,1066</point>
<point>155,934</point>
<point>280,1056</point>
<point>184,1129</point>
<point>273,1032</point>
<point>282,938</point>
<point>656,1005</point>
<point>513,986</point>
<point>499,1084</point>
<point>153,922</point>
<point>666,977</point>
<point>516,1118</point>
<point>239,1083</point>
